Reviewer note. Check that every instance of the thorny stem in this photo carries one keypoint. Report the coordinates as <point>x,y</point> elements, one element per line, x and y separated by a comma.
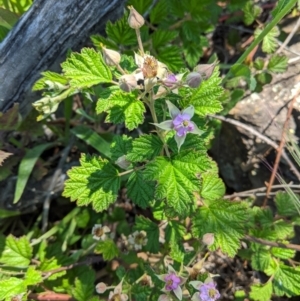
<point>138,35</point>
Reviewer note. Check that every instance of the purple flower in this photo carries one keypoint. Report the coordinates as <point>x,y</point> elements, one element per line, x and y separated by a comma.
<point>181,123</point>
<point>170,80</point>
<point>207,290</point>
<point>172,283</point>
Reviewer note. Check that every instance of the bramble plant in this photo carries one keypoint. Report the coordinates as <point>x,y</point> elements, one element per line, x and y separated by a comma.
<point>181,213</point>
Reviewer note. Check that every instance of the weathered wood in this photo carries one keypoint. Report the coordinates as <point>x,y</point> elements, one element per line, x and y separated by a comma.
<point>42,37</point>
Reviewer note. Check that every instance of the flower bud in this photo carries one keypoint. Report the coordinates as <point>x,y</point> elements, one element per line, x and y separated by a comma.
<point>101,287</point>
<point>208,239</point>
<point>170,80</point>
<point>127,82</point>
<point>205,70</point>
<point>111,57</point>
<point>193,79</point>
<point>135,20</point>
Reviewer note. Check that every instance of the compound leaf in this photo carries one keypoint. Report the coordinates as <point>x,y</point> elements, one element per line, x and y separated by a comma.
<point>96,181</point>
<point>86,69</point>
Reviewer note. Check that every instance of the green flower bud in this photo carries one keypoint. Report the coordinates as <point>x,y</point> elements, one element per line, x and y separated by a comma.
<point>135,20</point>
<point>193,79</point>
<point>127,82</point>
<point>111,57</point>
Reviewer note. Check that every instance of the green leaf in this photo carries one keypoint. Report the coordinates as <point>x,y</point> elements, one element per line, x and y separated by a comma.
<point>205,98</point>
<point>259,63</point>
<point>120,146</point>
<point>176,177</point>
<point>52,264</point>
<point>11,287</point>
<point>286,279</point>
<point>108,249</point>
<point>93,139</point>
<point>96,181</point>
<point>192,53</point>
<point>159,11</point>
<point>269,43</point>
<point>86,69</point>
<point>285,204</point>
<point>241,70</point>
<point>53,77</point>
<point>280,5</point>
<point>283,229</point>
<point>174,236</point>
<point>251,12</point>
<point>144,148</point>
<point>152,230</point>
<point>213,187</point>
<point>140,292</point>
<point>84,285</point>
<point>263,78</point>
<point>7,18</point>
<point>122,107</point>
<point>162,37</point>
<point>283,253</point>
<point>171,56</point>
<point>261,258</point>
<point>278,63</point>
<point>120,32</point>
<point>226,220</point>
<point>10,119</point>
<point>33,277</point>
<point>140,191</point>
<point>261,292</point>
<point>140,6</point>
<point>17,252</point>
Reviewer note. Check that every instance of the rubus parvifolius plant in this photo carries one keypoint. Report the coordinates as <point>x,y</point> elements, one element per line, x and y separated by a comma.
<point>181,217</point>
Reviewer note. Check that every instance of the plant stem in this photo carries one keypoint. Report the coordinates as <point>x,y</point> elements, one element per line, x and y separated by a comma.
<point>266,30</point>
<point>138,35</point>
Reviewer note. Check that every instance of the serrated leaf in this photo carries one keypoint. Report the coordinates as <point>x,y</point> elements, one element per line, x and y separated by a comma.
<point>176,179</point>
<point>84,285</point>
<point>226,220</point>
<point>140,6</point>
<point>145,147</point>
<point>261,292</point>
<point>159,11</point>
<point>283,253</point>
<point>205,98</point>
<point>120,32</point>
<point>177,251</point>
<point>108,249</point>
<point>122,107</point>
<point>192,53</point>
<point>283,229</point>
<point>260,259</point>
<point>263,78</point>
<point>278,63</point>
<point>86,69</point>
<point>140,191</point>
<point>96,181</point>
<point>120,146</point>
<point>213,187</point>
<point>171,56</point>
<point>152,230</point>
<point>259,63</point>
<point>286,279</point>
<point>11,287</point>
<point>251,12</point>
<point>285,204</point>
<point>269,43</point>
<point>33,277</point>
<point>3,156</point>
<point>140,292</point>
<point>52,264</point>
<point>54,77</point>
<point>17,252</point>
<point>162,37</point>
